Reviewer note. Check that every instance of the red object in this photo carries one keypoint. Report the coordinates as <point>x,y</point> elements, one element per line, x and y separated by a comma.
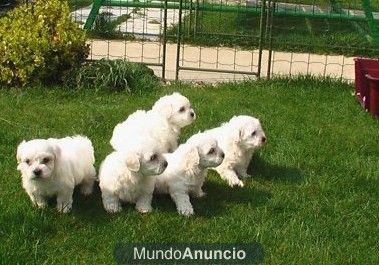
<point>373,79</point>
<point>362,68</point>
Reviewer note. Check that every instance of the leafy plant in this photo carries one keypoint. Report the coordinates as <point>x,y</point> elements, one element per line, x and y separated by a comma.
<point>105,26</point>
<point>115,75</point>
<point>39,43</point>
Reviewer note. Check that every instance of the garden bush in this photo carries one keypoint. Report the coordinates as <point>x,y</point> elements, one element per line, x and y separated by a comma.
<point>106,24</point>
<point>115,75</point>
<point>39,43</point>
<point>104,27</point>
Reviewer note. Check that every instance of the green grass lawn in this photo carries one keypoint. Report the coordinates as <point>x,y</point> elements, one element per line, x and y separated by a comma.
<point>313,198</point>
<point>292,34</point>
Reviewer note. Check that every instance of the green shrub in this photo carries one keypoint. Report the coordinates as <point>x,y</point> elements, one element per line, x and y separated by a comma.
<point>105,27</point>
<point>39,43</point>
<point>115,75</point>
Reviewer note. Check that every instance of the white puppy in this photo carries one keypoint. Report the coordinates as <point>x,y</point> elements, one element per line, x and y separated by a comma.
<point>129,176</point>
<point>162,123</point>
<point>238,138</point>
<point>53,167</point>
<point>187,169</point>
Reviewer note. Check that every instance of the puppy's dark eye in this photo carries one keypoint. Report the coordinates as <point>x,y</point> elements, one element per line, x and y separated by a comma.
<point>211,151</point>
<point>153,157</point>
<point>182,109</point>
<point>27,161</point>
<point>253,133</point>
<point>45,160</point>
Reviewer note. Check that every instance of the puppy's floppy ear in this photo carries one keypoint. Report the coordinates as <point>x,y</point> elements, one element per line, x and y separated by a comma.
<point>166,109</point>
<point>56,149</point>
<point>237,135</point>
<point>192,158</point>
<point>57,152</point>
<point>19,151</point>
<point>20,148</point>
<point>164,106</point>
<point>132,162</point>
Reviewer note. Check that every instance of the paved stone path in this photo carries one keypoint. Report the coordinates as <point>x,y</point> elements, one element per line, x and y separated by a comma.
<point>222,58</point>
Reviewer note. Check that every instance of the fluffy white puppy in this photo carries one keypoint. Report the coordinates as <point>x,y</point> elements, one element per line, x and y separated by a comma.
<point>129,176</point>
<point>53,167</point>
<point>162,123</point>
<point>187,169</point>
<point>238,138</point>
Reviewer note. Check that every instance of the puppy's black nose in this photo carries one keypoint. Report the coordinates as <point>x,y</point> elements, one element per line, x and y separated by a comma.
<point>37,172</point>
<point>192,114</point>
<point>263,139</point>
<point>165,164</point>
<point>223,155</point>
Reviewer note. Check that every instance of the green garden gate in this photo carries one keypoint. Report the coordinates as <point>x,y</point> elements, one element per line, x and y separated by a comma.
<point>239,37</point>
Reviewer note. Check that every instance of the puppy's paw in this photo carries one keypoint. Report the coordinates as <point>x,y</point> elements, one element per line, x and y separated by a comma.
<point>41,204</point>
<point>235,182</point>
<point>144,209</point>
<point>200,194</point>
<point>186,211</point>
<point>112,207</point>
<point>245,175</point>
<point>38,201</point>
<point>86,189</point>
<point>64,207</point>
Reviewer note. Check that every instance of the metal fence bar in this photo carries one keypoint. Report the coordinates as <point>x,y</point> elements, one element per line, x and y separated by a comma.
<point>374,26</point>
<point>218,70</point>
<point>178,40</point>
<point>261,35</point>
<point>164,41</point>
<point>271,10</point>
<point>93,14</point>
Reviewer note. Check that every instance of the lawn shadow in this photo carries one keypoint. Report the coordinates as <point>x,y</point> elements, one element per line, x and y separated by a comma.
<point>163,203</point>
<point>219,197</point>
<point>261,169</point>
<point>90,208</point>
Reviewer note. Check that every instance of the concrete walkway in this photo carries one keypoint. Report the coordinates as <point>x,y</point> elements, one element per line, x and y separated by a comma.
<point>222,58</point>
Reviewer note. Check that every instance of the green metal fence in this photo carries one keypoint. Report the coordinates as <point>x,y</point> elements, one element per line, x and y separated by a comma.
<point>329,27</point>
<point>203,48</point>
<point>243,38</point>
<point>192,39</point>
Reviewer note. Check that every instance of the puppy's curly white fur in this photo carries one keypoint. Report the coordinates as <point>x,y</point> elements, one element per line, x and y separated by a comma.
<point>129,176</point>
<point>53,167</point>
<point>187,169</point>
<point>238,138</point>
<point>162,123</point>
